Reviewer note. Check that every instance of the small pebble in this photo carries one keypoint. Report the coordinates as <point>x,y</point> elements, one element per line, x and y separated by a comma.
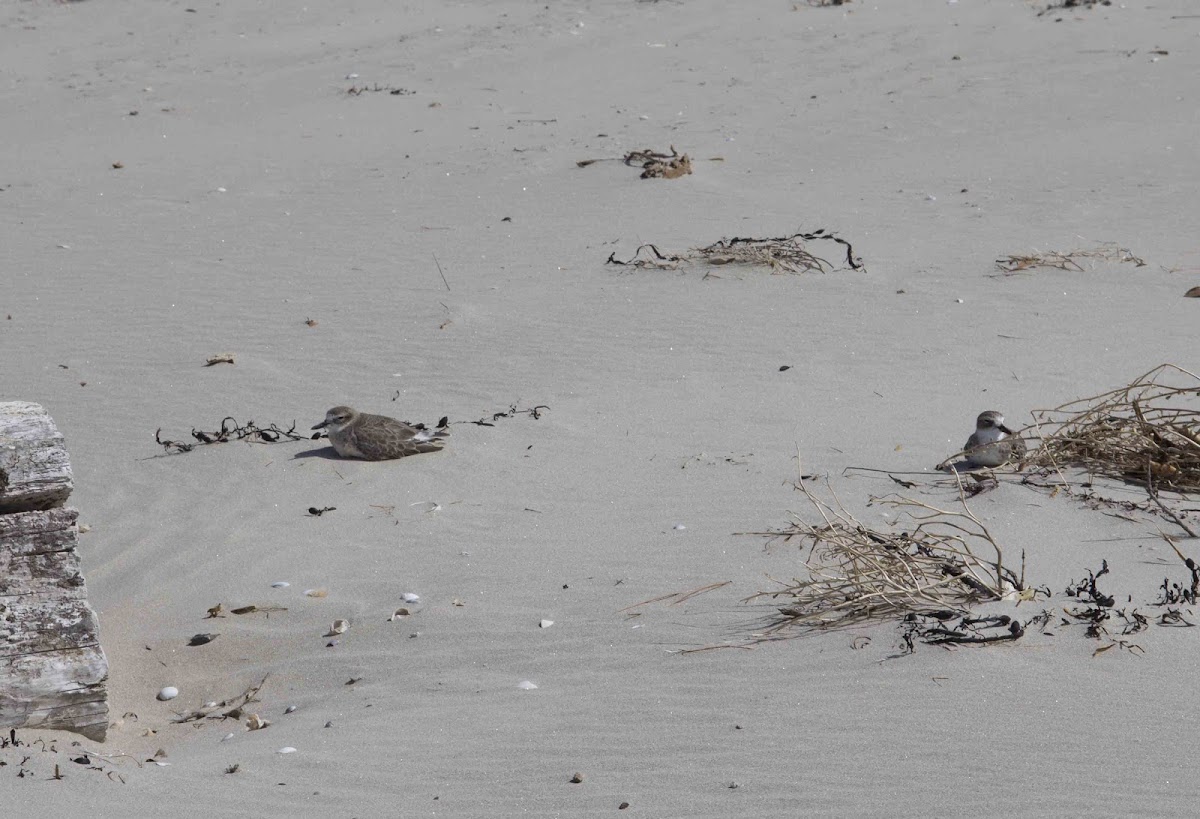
<point>168,693</point>
<point>622,806</point>
<point>576,778</point>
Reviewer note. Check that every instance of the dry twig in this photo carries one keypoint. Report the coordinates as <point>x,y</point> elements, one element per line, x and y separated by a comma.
<point>231,708</point>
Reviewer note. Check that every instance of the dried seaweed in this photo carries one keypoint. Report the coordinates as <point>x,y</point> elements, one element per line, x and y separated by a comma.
<point>1175,593</point>
<point>231,430</point>
<point>359,90</point>
<point>936,628</point>
<point>785,254</point>
<point>1064,5</point>
<point>654,164</point>
<point>533,412</point>
<point>661,166</point>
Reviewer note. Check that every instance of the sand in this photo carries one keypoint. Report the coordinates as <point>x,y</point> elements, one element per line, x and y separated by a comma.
<point>255,193</point>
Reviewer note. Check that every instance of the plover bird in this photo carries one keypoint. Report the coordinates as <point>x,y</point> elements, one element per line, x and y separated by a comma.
<point>992,443</point>
<point>376,437</point>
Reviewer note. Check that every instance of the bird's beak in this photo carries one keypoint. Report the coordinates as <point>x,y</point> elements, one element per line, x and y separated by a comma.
<point>321,425</point>
<point>1000,427</point>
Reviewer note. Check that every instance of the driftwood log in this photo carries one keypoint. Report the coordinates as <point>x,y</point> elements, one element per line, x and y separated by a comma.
<point>52,669</point>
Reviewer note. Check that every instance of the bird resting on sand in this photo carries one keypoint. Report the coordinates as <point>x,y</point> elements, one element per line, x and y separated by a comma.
<point>357,434</point>
<point>992,443</point>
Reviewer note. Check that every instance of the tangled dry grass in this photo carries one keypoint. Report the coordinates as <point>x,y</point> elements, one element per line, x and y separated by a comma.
<point>1146,433</point>
<point>1107,252</point>
<point>945,563</point>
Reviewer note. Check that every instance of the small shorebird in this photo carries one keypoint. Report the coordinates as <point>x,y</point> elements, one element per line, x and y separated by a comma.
<point>376,437</point>
<point>992,443</point>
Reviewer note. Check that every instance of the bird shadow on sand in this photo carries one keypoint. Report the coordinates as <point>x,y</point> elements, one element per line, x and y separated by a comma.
<point>326,452</point>
<point>961,466</point>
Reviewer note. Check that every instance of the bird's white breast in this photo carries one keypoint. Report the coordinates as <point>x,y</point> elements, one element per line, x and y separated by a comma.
<point>981,448</point>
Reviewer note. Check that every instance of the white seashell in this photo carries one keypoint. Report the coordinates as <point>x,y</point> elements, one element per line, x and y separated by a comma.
<point>316,593</point>
<point>526,685</point>
<point>227,737</point>
<point>168,693</point>
<point>256,723</point>
<point>400,612</point>
<point>678,527</point>
<point>84,528</point>
<point>286,750</point>
<point>339,627</point>
<point>280,584</point>
<point>289,709</point>
<point>409,597</point>
<point>545,624</point>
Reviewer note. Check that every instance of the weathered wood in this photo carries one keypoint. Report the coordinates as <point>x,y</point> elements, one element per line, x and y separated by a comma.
<point>35,472</point>
<point>52,669</point>
<point>37,555</point>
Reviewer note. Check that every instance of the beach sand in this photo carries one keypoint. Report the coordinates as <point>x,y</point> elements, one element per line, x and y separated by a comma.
<point>428,247</point>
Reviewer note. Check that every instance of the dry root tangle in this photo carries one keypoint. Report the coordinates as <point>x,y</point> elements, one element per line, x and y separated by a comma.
<point>1146,433</point>
<point>947,561</point>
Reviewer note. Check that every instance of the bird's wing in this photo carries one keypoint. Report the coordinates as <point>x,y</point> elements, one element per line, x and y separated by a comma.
<point>390,438</point>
